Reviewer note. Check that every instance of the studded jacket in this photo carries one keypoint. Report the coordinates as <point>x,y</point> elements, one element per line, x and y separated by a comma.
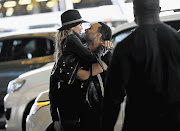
<point>71,45</point>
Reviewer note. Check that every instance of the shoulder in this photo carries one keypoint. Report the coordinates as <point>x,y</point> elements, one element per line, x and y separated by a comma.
<point>73,40</point>
<point>73,37</point>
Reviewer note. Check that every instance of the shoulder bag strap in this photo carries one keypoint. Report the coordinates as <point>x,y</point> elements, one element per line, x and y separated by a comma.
<point>101,83</point>
<point>99,76</point>
<point>100,62</point>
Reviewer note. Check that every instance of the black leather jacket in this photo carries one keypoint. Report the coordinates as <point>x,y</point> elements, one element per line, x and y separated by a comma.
<point>71,45</point>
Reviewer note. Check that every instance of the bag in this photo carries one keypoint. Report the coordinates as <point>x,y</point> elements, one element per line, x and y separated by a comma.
<point>68,67</point>
<point>94,92</point>
<point>92,97</point>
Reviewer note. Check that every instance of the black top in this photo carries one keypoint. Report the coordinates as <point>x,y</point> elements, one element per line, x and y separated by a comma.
<point>145,67</point>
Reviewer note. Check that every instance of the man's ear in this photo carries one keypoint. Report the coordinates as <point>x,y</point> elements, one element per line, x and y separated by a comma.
<point>99,35</point>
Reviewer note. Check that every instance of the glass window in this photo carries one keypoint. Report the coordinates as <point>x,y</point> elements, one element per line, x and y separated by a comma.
<point>25,48</point>
<point>174,24</point>
<point>1,44</point>
<point>90,3</point>
<point>121,36</point>
<point>4,47</point>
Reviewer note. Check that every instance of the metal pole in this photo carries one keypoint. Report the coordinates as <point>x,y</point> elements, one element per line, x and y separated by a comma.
<point>61,5</point>
<point>69,4</point>
<point>65,5</point>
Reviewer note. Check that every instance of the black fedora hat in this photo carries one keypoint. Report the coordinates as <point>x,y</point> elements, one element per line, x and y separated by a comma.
<point>70,18</point>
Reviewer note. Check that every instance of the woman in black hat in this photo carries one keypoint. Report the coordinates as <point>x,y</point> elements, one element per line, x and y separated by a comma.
<point>68,41</point>
<point>70,31</point>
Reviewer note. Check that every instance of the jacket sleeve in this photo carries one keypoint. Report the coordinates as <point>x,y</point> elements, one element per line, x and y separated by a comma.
<point>75,46</point>
<point>106,58</point>
<point>114,92</point>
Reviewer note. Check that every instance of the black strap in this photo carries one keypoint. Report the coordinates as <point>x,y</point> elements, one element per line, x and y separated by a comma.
<point>100,62</point>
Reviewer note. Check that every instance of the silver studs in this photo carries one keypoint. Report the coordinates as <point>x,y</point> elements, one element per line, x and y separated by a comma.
<point>64,63</point>
<point>60,70</point>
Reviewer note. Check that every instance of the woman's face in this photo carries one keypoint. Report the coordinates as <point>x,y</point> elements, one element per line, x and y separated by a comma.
<point>78,28</point>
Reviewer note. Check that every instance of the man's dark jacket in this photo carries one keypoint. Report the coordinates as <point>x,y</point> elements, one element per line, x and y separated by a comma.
<point>145,67</point>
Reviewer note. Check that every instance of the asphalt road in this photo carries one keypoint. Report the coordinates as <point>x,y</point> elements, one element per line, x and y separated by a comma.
<point>118,125</point>
<point>2,123</point>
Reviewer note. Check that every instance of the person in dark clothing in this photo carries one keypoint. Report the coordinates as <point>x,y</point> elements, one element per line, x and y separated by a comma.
<point>64,97</point>
<point>90,117</point>
<point>145,67</point>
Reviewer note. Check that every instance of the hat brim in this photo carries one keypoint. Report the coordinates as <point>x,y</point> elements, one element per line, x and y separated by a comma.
<point>65,27</point>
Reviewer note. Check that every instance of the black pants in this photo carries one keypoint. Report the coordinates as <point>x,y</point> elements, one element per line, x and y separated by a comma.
<point>90,119</point>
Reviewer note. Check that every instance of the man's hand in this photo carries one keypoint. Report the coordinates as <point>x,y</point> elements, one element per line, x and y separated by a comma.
<point>107,44</point>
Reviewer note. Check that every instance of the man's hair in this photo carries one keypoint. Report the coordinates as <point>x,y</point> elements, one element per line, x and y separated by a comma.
<point>105,31</point>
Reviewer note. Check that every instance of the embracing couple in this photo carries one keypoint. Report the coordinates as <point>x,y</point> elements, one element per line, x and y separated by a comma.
<point>80,62</point>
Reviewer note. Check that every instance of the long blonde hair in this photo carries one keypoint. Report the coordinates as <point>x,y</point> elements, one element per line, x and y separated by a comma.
<point>60,35</point>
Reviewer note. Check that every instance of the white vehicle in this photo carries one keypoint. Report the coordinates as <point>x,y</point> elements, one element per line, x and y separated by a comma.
<point>40,106</point>
<point>22,93</point>
<point>39,109</point>
<point>40,118</point>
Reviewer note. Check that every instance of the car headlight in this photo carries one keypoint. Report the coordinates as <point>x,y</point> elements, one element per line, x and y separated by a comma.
<point>37,105</point>
<point>15,85</point>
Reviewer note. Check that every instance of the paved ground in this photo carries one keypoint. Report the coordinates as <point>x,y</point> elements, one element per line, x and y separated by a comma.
<point>118,125</point>
<point>2,123</point>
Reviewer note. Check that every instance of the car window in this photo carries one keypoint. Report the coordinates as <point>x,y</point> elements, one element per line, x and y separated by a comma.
<point>121,36</point>
<point>1,44</point>
<point>25,48</point>
<point>174,24</point>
